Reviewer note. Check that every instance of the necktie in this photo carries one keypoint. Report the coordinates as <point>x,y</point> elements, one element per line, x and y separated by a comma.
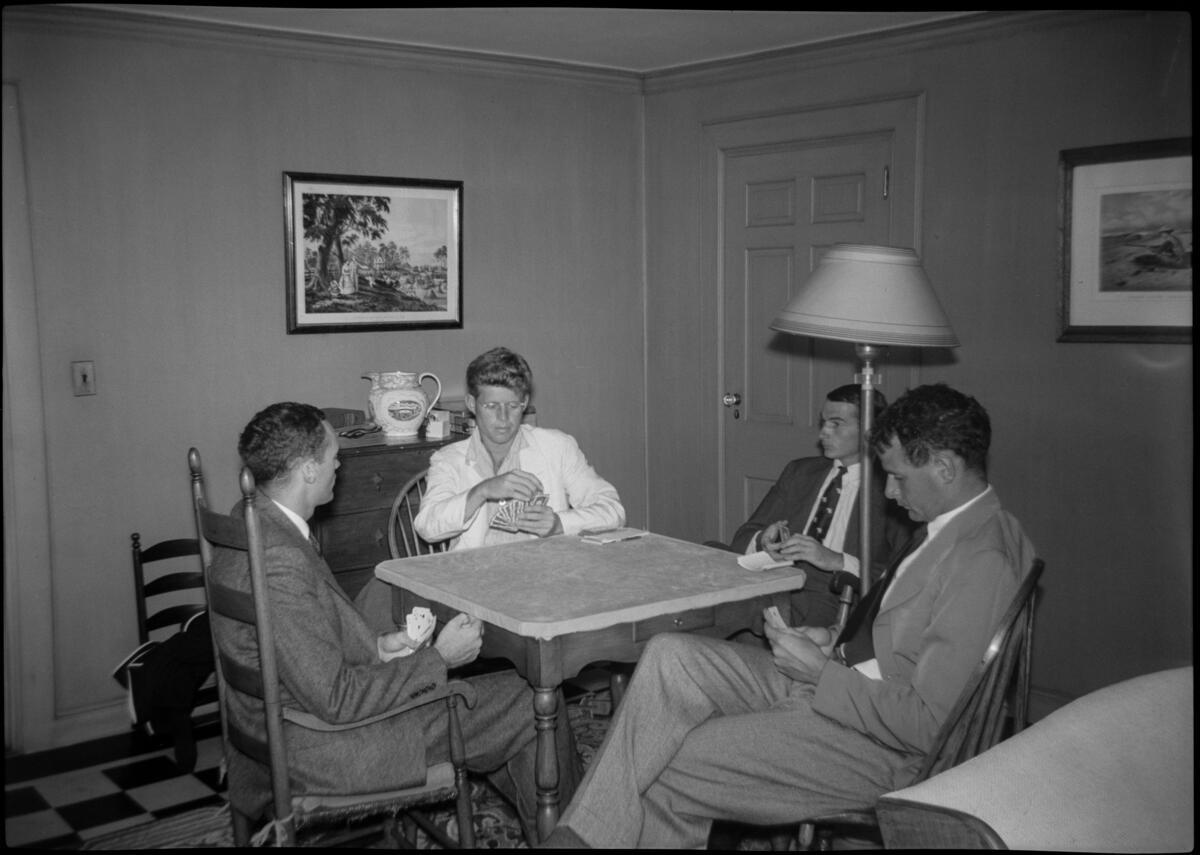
<point>819,527</point>
<point>859,646</point>
<point>312,538</point>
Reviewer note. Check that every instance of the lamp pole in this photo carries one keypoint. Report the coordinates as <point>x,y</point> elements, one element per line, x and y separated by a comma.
<point>869,381</point>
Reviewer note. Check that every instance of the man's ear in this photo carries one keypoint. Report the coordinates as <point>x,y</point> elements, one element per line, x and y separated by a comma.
<point>470,399</point>
<point>947,466</point>
<point>308,471</point>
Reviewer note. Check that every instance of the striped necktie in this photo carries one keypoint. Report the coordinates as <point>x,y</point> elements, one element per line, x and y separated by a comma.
<point>819,527</point>
<point>316,544</point>
<point>856,639</point>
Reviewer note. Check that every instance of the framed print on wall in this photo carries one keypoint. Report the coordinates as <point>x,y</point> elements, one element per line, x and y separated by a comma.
<point>366,254</point>
<point>1126,242</point>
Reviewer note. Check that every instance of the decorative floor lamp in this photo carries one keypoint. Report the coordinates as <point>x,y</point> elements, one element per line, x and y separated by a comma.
<point>873,296</point>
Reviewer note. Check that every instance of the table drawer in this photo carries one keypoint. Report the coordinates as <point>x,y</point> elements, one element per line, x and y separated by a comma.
<point>688,621</point>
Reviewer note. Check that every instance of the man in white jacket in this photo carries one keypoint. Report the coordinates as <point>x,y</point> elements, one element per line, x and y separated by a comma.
<point>505,461</point>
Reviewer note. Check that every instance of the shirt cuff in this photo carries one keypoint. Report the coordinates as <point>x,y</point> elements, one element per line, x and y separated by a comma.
<point>850,564</point>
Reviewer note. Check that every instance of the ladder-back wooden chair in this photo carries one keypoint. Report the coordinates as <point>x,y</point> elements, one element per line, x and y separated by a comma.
<point>292,811</point>
<point>150,614</point>
<point>168,598</point>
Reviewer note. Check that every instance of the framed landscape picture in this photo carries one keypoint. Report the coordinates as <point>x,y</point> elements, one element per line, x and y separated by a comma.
<point>366,254</point>
<point>1126,242</point>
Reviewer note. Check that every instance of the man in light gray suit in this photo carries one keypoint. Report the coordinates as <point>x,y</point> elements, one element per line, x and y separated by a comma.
<point>336,666</point>
<point>716,730</point>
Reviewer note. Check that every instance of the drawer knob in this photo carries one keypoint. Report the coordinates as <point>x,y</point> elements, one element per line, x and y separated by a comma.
<point>379,537</point>
<point>678,621</point>
<point>377,480</point>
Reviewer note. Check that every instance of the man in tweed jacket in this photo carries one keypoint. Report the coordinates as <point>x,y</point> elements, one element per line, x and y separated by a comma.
<point>333,664</point>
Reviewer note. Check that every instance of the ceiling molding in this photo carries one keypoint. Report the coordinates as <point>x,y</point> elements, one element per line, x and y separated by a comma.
<point>866,46</point>
<point>83,20</point>
<point>192,33</point>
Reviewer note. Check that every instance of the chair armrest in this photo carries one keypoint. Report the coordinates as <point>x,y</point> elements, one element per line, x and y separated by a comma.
<point>456,688</point>
<point>841,581</point>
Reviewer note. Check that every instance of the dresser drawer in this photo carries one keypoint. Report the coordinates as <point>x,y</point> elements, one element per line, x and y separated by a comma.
<point>352,528</point>
<point>354,540</point>
<point>372,481</point>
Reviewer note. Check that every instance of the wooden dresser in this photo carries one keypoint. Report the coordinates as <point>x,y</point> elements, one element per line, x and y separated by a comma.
<point>352,529</point>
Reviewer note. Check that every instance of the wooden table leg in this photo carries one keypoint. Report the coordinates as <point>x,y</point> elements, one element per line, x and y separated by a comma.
<point>545,711</point>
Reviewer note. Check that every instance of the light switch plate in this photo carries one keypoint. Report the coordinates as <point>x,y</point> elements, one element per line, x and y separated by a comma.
<point>83,378</point>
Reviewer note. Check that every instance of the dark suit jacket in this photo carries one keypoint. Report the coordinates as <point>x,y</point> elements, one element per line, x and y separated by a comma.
<point>932,630</point>
<point>798,489</point>
<point>329,666</point>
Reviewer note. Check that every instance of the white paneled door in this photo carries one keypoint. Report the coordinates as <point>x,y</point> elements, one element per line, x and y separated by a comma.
<point>783,204</point>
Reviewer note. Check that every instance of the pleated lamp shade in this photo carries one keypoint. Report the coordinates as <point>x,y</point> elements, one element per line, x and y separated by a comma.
<point>870,295</point>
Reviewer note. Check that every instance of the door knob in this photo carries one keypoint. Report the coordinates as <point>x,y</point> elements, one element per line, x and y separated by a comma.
<point>731,399</point>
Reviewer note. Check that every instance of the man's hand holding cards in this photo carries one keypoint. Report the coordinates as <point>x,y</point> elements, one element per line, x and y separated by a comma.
<point>511,511</point>
<point>418,628</point>
<point>772,617</point>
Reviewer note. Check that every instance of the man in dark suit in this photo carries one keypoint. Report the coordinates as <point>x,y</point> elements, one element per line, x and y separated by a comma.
<point>336,666</point>
<point>811,515</point>
<point>710,729</point>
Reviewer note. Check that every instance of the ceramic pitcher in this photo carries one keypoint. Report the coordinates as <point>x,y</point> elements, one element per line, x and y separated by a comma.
<point>397,401</point>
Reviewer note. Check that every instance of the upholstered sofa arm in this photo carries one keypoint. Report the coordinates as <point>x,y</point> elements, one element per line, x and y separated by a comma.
<point>1111,771</point>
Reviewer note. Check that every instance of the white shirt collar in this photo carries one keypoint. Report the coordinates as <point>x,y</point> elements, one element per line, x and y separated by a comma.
<point>939,522</point>
<point>853,471</point>
<point>296,519</point>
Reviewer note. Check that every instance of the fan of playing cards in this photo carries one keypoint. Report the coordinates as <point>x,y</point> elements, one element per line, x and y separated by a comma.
<point>418,626</point>
<point>506,518</point>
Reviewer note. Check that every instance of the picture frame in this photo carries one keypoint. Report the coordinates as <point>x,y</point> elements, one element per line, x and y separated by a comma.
<point>1125,242</point>
<point>366,253</point>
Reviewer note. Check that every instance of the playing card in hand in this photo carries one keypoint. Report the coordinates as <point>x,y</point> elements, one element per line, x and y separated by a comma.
<point>419,624</point>
<point>418,627</point>
<point>510,511</point>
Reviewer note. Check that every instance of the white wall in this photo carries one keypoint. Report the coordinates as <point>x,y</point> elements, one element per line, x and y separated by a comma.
<point>154,163</point>
<point>1092,444</point>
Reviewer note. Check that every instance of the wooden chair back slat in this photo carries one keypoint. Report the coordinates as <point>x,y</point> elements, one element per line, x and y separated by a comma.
<point>173,616</point>
<point>242,534</point>
<point>975,722</point>
<point>149,615</point>
<point>403,540</point>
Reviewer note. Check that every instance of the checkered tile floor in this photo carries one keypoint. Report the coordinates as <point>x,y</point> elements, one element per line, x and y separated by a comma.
<point>61,799</point>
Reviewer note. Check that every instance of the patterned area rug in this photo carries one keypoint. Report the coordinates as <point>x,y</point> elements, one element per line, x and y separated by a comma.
<point>496,824</point>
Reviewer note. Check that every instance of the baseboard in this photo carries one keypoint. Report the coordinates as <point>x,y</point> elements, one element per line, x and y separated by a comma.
<point>83,727</point>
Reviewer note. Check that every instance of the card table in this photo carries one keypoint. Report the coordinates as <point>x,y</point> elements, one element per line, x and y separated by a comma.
<point>551,606</point>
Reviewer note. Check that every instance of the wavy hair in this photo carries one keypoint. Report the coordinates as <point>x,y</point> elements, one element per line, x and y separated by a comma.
<point>500,367</point>
<point>936,418</point>
<point>280,436</point>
